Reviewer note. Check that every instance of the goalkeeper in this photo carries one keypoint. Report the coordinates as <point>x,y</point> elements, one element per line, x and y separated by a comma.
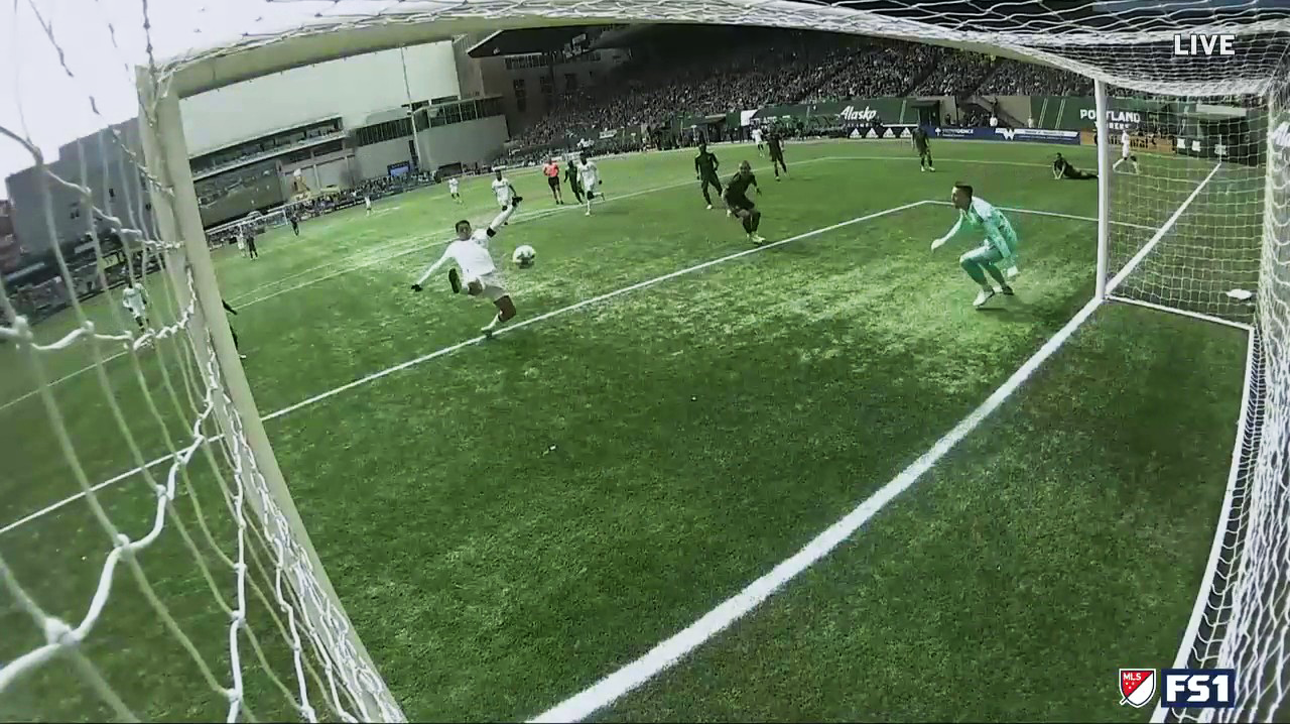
<point>1062,169</point>
<point>999,247</point>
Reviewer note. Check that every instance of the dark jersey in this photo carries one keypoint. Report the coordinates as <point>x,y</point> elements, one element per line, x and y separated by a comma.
<point>775,148</point>
<point>738,185</point>
<point>920,137</point>
<point>1062,166</point>
<point>706,164</point>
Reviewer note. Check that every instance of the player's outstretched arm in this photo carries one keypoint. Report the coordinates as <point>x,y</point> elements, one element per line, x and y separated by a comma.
<point>949,235</point>
<point>416,286</point>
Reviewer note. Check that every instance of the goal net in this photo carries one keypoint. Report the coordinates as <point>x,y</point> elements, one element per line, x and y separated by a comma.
<point>158,568</point>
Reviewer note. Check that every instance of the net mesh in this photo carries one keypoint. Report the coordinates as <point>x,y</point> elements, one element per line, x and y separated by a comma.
<point>184,589</point>
<point>1187,177</point>
<point>242,624</point>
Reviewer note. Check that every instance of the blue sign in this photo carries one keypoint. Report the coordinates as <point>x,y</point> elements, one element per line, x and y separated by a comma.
<point>1028,135</point>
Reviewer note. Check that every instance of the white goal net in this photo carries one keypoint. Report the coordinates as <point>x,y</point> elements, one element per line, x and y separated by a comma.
<point>159,569</point>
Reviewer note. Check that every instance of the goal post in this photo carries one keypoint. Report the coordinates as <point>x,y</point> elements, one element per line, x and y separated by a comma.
<point>178,216</point>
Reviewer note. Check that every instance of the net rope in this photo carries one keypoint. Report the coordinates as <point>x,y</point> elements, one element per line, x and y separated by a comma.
<point>287,649</point>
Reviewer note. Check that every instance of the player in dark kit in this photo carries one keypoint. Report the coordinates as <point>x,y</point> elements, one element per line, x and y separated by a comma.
<point>740,205</point>
<point>776,154</point>
<point>923,145</point>
<point>571,175</point>
<point>705,169</point>
<point>1062,169</point>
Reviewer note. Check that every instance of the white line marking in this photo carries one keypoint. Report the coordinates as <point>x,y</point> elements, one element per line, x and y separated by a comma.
<point>579,305</point>
<point>1221,531</point>
<point>669,652</point>
<point>1058,215</point>
<point>1151,243</point>
<point>504,330</point>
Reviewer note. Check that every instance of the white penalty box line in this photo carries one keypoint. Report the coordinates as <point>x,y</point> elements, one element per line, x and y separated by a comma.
<point>420,240</point>
<point>476,340</point>
<point>523,323</point>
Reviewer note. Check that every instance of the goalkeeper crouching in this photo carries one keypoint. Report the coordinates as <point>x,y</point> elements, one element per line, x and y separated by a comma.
<point>999,247</point>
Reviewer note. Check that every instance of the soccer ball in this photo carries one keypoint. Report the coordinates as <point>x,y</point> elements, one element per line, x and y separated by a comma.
<point>524,256</point>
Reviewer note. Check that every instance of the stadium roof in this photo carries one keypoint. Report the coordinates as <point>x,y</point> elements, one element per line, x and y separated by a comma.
<point>1086,36</point>
<point>525,41</point>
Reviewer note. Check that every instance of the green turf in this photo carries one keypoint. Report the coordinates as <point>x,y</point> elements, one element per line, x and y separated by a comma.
<point>508,522</point>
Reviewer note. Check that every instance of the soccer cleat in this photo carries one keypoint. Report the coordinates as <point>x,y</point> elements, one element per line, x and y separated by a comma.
<point>454,278</point>
<point>1007,291</point>
<point>758,240</point>
<point>922,169</point>
<point>729,213</point>
<point>932,169</point>
<point>982,297</point>
<point>709,207</point>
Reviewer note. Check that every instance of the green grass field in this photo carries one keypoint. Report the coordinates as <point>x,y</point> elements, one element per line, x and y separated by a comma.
<point>508,522</point>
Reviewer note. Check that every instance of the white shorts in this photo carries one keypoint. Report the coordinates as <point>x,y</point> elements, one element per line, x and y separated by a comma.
<point>1125,152</point>
<point>493,288</point>
<point>591,186</point>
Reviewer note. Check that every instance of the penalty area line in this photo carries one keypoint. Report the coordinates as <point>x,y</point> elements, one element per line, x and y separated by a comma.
<point>476,340</point>
<point>584,303</point>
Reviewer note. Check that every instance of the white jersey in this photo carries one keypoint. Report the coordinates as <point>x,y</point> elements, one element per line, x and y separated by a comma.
<point>502,189</point>
<point>472,255</point>
<point>588,174</point>
<point>132,299</point>
<point>452,185</point>
<point>1126,144</point>
<point>756,135</point>
<point>367,202</point>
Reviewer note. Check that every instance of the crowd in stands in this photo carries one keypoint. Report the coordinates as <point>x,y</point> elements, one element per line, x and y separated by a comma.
<point>1014,78</point>
<point>788,68</point>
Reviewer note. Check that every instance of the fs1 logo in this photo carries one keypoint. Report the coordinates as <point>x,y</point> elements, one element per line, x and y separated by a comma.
<point>1203,44</point>
<point>1198,689</point>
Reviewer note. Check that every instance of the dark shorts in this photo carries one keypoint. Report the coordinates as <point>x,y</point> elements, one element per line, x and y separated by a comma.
<point>740,202</point>
<point>711,179</point>
<point>777,153</point>
<point>922,148</point>
<point>553,181</point>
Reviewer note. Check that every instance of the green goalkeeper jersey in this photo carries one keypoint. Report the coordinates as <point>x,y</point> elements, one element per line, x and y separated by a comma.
<point>983,216</point>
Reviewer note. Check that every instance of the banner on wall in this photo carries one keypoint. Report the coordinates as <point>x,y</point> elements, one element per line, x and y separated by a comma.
<point>1025,135</point>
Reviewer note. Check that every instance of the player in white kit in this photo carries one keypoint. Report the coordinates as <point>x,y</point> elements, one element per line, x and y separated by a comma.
<point>589,177</point>
<point>453,189</point>
<point>756,137</point>
<point>132,299</point>
<point>504,191</point>
<point>1126,152</point>
<point>479,276</point>
<point>367,201</point>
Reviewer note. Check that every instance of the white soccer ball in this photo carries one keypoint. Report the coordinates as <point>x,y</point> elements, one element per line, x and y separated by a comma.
<point>524,256</point>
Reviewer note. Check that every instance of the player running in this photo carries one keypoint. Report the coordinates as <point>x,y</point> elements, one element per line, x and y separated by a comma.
<point>999,246</point>
<point>504,191</point>
<point>776,145</point>
<point>454,189</point>
<point>757,139</point>
<point>589,179</point>
<point>367,202</point>
<point>922,144</point>
<point>1126,152</point>
<point>742,207</point>
<point>552,172</point>
<point>294,218</point>
<point>1062,169</point>
<point>478,277</point>
<point>705,170</point>
<point>571,175</point>
<point>133,300</point>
